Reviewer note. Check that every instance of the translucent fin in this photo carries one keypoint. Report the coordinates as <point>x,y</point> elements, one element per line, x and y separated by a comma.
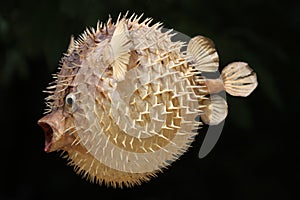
<point>239,79</point>
<point>203,54</point>
<point>215,110</point>
<point>117,53</point>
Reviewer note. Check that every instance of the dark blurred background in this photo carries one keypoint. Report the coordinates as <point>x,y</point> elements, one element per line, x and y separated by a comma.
<point>256,156</point>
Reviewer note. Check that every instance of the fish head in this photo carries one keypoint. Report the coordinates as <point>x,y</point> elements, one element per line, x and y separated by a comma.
<point>58,123</point>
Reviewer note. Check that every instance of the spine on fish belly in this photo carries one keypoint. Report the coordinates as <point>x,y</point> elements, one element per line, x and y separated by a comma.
<point>141,119</point>
<point>126,100</point>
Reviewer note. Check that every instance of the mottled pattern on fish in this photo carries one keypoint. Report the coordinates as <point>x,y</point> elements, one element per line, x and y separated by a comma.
<point>125,102</point>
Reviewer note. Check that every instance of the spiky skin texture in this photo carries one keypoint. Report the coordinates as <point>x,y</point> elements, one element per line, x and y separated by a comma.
<point>124,132</point>
<point>125,101</point>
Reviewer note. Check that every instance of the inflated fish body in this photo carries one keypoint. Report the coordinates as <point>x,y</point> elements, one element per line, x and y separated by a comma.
<point>125,102</point>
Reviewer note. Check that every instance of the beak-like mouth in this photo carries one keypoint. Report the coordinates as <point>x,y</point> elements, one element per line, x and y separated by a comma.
<point>48,135</point>
<point>54,126</point>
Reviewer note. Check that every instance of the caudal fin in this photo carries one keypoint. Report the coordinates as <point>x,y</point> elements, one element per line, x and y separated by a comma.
<point>239,79</point>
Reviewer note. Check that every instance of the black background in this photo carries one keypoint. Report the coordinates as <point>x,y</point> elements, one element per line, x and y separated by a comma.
<point>256,156</point>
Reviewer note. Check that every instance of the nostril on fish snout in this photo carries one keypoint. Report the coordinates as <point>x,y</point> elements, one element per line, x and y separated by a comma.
<point>48,135</point>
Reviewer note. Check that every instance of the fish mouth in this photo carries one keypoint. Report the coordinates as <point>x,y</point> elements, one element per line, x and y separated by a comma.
<point>54,127</point>
<point>48,135</point>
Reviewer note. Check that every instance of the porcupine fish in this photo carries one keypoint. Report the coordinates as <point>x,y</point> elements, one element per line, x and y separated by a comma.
<point>125,101</point>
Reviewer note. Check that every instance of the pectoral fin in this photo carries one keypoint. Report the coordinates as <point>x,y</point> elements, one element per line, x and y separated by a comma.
<point>117,53</point>
<point>215,110</point>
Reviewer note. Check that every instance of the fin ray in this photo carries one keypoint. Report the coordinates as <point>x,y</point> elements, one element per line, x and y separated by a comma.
<point>239,79</point>
<point>215,111</point>
<point>203,53</point>
<point>117,53</point>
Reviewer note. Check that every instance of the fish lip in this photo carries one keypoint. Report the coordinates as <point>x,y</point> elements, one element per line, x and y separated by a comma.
<point>54,128</point>
<point>48,135</point>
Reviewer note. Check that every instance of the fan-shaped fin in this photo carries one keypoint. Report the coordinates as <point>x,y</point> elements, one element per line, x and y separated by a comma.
<point>203,54</point>
<point>215,110</point>
<point>117,53</point>
<point>239,79</point>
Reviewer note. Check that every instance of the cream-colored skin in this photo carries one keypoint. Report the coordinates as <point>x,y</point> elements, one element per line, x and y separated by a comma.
<point>126,99</point>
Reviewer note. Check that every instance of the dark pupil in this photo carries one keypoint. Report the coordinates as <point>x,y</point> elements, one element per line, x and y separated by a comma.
<point>69,101</point>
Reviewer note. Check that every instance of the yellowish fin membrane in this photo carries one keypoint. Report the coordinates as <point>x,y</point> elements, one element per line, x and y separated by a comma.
<point>203,54</point>
<point>215,110</point>
<point>117,53</point>
<point>239,79</point>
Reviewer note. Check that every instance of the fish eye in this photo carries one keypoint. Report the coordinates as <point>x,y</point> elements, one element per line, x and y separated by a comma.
<point>70,99</point>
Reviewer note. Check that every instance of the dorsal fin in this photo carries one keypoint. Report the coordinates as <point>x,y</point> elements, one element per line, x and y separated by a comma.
<point>215,110</point>
<point>117,53</point>
<point>203,54</point>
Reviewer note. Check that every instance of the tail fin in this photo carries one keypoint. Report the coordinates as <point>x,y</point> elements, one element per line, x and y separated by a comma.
<point>239,79</point>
